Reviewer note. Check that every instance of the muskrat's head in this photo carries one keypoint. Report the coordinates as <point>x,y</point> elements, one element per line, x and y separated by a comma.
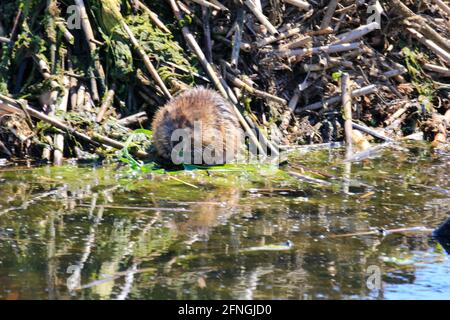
<point>199,127</point>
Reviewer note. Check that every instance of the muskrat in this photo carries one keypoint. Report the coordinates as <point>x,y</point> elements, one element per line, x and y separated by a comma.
<point>210,130</point>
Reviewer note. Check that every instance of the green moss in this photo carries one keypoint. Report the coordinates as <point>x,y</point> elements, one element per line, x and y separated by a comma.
<point>161,46</point>
<point>421,82</point>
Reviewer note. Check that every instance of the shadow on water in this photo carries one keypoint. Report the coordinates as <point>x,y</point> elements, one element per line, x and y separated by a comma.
<point>359,230</point>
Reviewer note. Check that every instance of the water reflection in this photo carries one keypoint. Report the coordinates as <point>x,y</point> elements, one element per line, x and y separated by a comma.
<point>100,233</point>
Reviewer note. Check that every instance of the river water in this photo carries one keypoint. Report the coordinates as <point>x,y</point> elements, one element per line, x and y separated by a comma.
<point>361,230</point>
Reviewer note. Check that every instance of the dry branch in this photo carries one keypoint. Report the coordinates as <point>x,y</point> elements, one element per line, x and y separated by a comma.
<point>303,5</point>
<point>95,140</point>
<point>425,29</point>
<point>135,118</point>
<point>237,38</point>
<point>331,8</point>
<point>438,69</point>
<point>441,4</point>
<point>208,4</point>
<point>355,93</point>
<point>106,103</point>
<point>441,53</point>
<point>261,17</point>
<point>5,40</point>
<point>242,85</point>
<point>280,36</point>
<point>347,111</point>
<point>59,138</point>
<point>323,49</point>
<point>357,33</point>
<point>372,132</point>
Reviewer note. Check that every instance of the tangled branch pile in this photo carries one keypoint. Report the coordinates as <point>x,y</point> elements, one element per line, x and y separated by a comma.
<point>76,77</point>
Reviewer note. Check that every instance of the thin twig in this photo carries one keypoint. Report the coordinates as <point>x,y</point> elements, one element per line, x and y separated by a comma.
<point>303,5</point>
<point>331,8</point>
<point>261,17</point>
<point>316,50</point>
<point>355,93</point>
<point>357,33</point>
<point>242,85</point>
<point>59,138</point>
<point>372,132</point>
<point>106,103</point>
<point>135,118</point>
<point>206,14</point>
<point>5,40</point>
<point>237,37</point>
<point>207,4</point>
<point>438,69</point>
<point>441,4</point>
<point>347,111</point>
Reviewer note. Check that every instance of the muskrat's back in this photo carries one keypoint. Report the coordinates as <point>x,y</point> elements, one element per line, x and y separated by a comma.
<point>207,112</point>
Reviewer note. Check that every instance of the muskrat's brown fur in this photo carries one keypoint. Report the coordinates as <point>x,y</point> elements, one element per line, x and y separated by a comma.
<point>220,127</point>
